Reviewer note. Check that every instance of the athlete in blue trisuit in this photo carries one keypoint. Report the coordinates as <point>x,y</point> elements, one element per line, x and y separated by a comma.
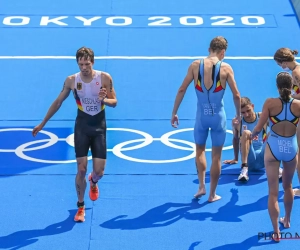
<point>285,58</point>
<point>283,114</point>
<point>252,151</point>
<point>210,76</point>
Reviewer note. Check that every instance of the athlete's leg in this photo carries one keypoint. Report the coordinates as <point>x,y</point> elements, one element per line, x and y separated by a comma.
<point>215,172</point>
<point>287,177</point>
<point>247,155</point>
<point>218,139</point>
<point>80,180</point>
<point>99,153</point>
<point>297,190</point>
<point>272,171</point>
<point>259,162</point>
<point>82,144</point>
<point>201,169</point>
<point>200,137</point>
<point>245,146</point>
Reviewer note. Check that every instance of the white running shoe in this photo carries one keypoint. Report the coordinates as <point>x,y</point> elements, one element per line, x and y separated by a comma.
<point>244,175</point>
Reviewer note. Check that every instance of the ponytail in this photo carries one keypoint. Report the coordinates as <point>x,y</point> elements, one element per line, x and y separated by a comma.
<point>285,94</point>
<point>294,52</point>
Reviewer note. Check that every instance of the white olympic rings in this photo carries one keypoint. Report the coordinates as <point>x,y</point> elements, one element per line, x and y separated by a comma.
<point>116,150</point>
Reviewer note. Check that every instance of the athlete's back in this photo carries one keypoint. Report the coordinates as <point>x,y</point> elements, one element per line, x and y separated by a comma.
<point>283,114</point>
<point>210,80</point>
<point>209,65</point>
<point>210,76</point>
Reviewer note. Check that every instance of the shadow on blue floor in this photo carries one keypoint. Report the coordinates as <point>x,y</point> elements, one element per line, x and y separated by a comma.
<point>231,176</point>
<point>160,217</point>
<point>20,239</point>
<point>246,244</point>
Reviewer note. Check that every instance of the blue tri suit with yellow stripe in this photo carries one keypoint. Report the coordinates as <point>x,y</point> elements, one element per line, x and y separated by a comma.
<point>210,109</point>
<point>283,148</point>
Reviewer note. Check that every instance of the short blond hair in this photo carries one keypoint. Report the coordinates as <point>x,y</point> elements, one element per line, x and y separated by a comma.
<point>218,43</point>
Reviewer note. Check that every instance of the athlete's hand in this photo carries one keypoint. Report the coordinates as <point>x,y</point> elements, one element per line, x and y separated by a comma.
<point>230,162</point>
<point>236,121</point>
<point>102,94</point>
<point>254,136</point>
<point>174,121</point>
<point>37,129</point>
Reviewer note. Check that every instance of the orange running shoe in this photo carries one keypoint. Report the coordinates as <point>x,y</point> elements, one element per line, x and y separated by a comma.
<point>80,215</point>
<point>94,190</point>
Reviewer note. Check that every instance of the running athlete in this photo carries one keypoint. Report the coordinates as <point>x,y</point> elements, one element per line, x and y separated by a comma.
<point>93,90</point>
<point>285,58</point>
<point>210,76</point>
<point>283,114</point>
<point>252,151</point>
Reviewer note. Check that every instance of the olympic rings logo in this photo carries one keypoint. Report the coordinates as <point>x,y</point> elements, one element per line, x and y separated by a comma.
<point>117,150</point>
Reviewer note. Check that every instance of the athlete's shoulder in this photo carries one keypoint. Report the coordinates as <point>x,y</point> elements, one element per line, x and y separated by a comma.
<point>297,69</point>
<point>194,66</point>
<point>296,73</point>
<point>70,79</point>
<point>106,78</point>
<point>195,63</point>
<point>296,101</point>
<point>226,68</point>
<point>226,65</point>
<point>296,104</point>
<point>271,101</point>
<point>105,75</point>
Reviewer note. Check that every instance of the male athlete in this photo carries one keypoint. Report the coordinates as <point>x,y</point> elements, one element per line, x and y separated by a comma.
<point>92,90</point>
<point>285,58</point>
<point>210,76</point>
<point>252,151</point>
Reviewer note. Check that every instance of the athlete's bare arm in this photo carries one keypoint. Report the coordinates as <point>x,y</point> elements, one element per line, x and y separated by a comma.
<point>295,108</point>
<point>236,138</point>
<point>108,90</point>
<point>267,122</point>
<point>182,90</point>
<point>235,142</point>
<point>235,93</point>
<point>296,79</point>
<point>56,104</point>
<point>263,118</point>
<point>296,111</point>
